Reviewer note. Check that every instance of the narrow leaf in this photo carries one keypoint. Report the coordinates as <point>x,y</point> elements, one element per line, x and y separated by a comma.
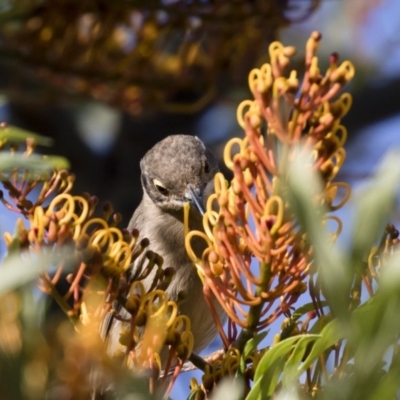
<point>275,353</point>
<point>15,271</point>
<point>290,371</point>
<point>270,368</point>
<point>253,343</point>
<point>297,314</point>
<point>17,134</point>
<point>330,335</point>
<point>336,275</point>
<point>375,204</point>
<point>33,165</point>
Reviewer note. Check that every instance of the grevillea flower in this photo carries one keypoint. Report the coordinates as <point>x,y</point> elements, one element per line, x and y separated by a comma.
<point>258,260</point>
<point>95,270</point>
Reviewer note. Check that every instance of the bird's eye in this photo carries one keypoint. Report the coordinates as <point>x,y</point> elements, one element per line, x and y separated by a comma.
<point>160,187</point>
<point>206,167</point>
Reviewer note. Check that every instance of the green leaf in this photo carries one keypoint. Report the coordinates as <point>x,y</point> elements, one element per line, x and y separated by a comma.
<point>254,342</point>
<point>256,392</point>
<point>304,309</point>
<point>330,335</point>
<point>33,166</point>
<point>387,388</point>
<point>290,371</point>
<point>193,394</point>
<point>16,271</point>
<point>389,383</point>
<point>248,348</point>
<point>375,204</point>
<point>374,327</point>
<point>20,135</point>
<point>297,314</point>
<point>275,353</point>
<point>321,323</point>
<point>390,277</point>
<point>270,368</point>
<point>335,272</point>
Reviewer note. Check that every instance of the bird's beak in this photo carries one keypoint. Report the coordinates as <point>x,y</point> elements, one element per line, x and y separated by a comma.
<point>195,197</point>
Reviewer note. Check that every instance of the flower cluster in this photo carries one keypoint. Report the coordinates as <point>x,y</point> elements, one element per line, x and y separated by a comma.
<point>258,259</point>
<point>91,256</point>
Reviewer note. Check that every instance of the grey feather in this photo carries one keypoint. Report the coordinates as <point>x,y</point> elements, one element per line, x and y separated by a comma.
<point>167,170</point>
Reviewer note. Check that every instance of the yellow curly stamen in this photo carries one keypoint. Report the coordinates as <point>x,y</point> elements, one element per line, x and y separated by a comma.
<point>255,193</point>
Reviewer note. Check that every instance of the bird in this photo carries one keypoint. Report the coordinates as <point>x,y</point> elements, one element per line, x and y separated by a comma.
<point>177,170</point>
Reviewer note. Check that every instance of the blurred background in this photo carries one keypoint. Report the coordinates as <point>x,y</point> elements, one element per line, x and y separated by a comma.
<point>107,80</point>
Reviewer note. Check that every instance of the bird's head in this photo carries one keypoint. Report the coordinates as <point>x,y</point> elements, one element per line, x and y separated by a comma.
<point>176,171</point>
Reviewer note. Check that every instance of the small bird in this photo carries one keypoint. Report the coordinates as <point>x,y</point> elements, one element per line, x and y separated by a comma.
<point>175,171</point>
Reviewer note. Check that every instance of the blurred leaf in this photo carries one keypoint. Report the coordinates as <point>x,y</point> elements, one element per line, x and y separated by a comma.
<point>270,368</point>
<point>336,275</point>
<point>371,332</point>
<point>254,342</point>
<point>34,164</point>
<point>248,349</point>
<point>374,327</point>
<point>390,275</point>
<point>375,204</point>
<point>330,335</point>
<point>16,271</point>
<point>131,386</point>
<point>296,315</point>
<point>17,134</point>
<point>228,388</point>
<point>275,353</point>
<point>290,371</point>
<point>193,394</point>
<point>321,323</point>
<point>304,309</point>
<point>389,384</point>
<point>288,394</point>
<point>259,389</point>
